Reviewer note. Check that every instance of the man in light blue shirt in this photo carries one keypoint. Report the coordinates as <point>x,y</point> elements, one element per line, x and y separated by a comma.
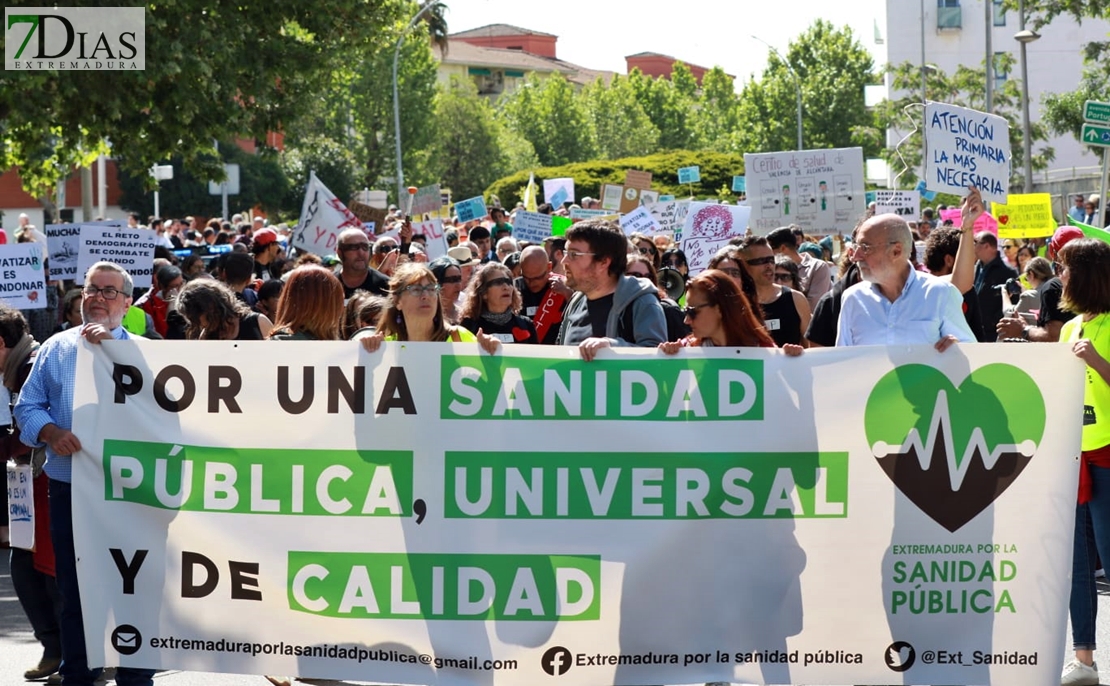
<point>44,412</point>
<point>1078,211</point>
<point>896,304</point>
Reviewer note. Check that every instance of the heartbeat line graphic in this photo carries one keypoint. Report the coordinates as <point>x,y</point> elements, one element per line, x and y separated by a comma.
<point>940,428</point>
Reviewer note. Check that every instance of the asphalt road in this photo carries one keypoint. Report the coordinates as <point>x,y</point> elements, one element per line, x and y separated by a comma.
<point>19,650</point>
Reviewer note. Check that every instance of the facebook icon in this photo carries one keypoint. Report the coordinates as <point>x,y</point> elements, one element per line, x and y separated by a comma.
<point>556,661</point>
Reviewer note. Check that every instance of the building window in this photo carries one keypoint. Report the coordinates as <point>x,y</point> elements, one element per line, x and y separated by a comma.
<point>949,15</point>
<point>999,13</point>
<point>999,69</point>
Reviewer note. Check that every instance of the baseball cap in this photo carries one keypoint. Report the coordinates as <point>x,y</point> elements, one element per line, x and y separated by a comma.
<point>264,237</point>
<point>1063,236</point>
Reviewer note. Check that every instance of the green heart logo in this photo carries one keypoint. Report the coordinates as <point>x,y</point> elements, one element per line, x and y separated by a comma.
<point>952,451</point>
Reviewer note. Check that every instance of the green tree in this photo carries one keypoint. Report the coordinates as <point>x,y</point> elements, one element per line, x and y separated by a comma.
<point>1062,113</point>
<point>670,107</point>
<point>621,126</point>
<point>717,116</point>
<point>832,68</point>
<point>963,88</point>
<point>548,114</point>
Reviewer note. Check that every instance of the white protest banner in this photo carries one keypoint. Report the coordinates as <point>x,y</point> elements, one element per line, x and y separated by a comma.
<point>558,191</point>
<point>707,228</point>
<point>611,197</point>
<point>323,218</point>
<point>639,220</point>
<point>966,148</point>
<point>427,200</point>
<point>471,209</point>
<point>531,226</point>
<point>434,237</point>
<point>579,213</point>
<point>21,506</point>
<point>22,276</point>
<point>669,215</point>
<point>906,204</point>
<point>390,540</point>
<point>63,242</point>
<point>821,191</point>
<point>132,249</point>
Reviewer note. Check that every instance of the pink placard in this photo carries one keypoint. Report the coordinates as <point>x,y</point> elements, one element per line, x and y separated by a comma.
<point>985,222</point>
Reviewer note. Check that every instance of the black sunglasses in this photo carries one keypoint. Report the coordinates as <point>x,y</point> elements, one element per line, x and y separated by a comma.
<point>691,311</point>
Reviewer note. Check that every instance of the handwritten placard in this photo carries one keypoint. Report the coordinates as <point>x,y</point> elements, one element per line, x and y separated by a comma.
<point>1025,216</point>
<point>471,209</point>
<point>558,191</point>
<point>905,204</point>
<point>708,227</point>
<point>689,174</point>
<point>435,240</point>
<point>821,191</point>
<point>132,249</point>
<point>22,276</point>
<point>21,505</point>
<point>639,220</point>
<point>669,215</point>
<point>427,200</point>
<point>531,226</point>
<point>966,148</point>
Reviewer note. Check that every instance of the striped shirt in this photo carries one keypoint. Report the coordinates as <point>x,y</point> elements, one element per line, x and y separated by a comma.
<point>47,396</point>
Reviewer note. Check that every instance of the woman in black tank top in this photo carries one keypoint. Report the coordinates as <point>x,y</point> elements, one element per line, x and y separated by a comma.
<point>213,312</point>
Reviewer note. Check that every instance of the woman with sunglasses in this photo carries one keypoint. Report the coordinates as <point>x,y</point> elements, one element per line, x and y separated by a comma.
<point>493,306</point>
<point>449,276</point>
<point>414,313</point>
<point>730,260</point>
<point>786,272</point>
<point>720,315</point>
<point>646,247</point>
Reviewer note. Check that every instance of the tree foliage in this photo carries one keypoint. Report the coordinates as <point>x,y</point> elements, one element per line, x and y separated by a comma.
<point>549,114</point>
<point>620,124</point>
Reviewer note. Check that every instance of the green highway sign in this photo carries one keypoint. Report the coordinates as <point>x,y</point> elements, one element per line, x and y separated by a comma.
<point>1097,112</point>
<point>1096,135</point>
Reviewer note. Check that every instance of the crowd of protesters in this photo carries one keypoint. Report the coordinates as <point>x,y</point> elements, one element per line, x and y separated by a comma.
<point>893,283</point>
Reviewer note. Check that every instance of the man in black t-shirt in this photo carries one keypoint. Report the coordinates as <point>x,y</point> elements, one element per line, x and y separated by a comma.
<point>355,272</point>
<point>1051,317</point>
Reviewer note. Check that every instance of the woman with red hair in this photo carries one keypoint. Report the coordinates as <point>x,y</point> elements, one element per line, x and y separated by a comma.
<point>719,315</point>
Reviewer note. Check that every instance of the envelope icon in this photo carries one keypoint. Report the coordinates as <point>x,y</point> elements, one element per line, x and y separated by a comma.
<point>127,639</point>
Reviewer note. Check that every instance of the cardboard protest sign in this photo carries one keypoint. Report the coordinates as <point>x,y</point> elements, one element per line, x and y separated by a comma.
<point>22,276</point>
<point>471,209</point>
<point>324,217</point>
<point>432,230</point>
<point>427,200</point>
<point>821,191</point>
<point>558,191</point>
<point>1025,216</point>
<point>531,226</point>
<point>689,174</point>
<point>985,222</point>
<point>966,148</point>
<point>906,204</point>
<point>611,197</point>
<point>374,218</point>
<point>634,183</point>
<point>132,249</point>
<point>639,220</point>
<point>708,227</point>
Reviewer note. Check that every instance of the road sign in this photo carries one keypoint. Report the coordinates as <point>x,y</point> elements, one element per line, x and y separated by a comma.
<point>1097,112</point>
<point>216,188</point>
<point>1096,135</point>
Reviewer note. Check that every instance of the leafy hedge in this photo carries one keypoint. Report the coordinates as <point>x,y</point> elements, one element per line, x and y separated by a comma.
<point>717,170</point>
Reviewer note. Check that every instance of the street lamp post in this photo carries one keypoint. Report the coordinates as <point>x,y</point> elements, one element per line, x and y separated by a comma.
<point>396,99</point>
<point>797,86</point>
<point>1025,37</point>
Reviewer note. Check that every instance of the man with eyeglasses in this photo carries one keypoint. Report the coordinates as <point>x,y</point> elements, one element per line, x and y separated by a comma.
<point>45,414</point>
<point>785,311</point>
<point>1079,210</point>
<point>609,308</point>
<point>813,274</point>
<point>991,275</point>
<point>543,295</point>
<point>355,272</point>
<point>895,304</point>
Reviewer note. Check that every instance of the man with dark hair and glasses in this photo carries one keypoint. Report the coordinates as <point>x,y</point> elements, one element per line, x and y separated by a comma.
<point>44,413</point>
<point>609,308</point>
<point>895,304</point>
<point>355,272</point>
<point>785,310</point>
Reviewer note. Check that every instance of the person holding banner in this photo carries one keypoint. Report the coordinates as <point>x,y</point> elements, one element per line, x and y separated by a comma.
<point>1085,263</point>
<point>45,414</point>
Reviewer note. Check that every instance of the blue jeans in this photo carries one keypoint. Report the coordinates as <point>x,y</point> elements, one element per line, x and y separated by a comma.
<point>75,665</point>
<point>1092,540</point>
<point>38,594</point>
